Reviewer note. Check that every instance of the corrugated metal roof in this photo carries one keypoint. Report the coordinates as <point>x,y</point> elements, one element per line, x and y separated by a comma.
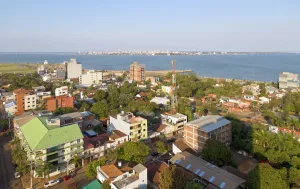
<point>10,104</point>
<point>38,136</point>
<point>209,123</point>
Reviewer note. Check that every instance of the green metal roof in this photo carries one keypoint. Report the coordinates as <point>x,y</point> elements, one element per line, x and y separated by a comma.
<point>93,185</point>
<point>39,136</point>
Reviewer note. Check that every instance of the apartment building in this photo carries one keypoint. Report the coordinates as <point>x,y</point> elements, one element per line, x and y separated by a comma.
<point>198,131</point>
<point>206,173</point>
<point>52,103</point>
<point>173,123</point>
<point>63,90</point>
<point>74,69</point>
<point>46,140</point>
<point>135,127</point>
<point>288,80</point>
<point>92,77</point>
<point>25,100</point>
<point>121,176</point>
<point>137,72</point>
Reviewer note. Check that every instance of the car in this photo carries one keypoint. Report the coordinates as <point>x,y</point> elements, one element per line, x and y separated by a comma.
<point>50,183</point>
<point>17,175</point>
<point>67,177</point>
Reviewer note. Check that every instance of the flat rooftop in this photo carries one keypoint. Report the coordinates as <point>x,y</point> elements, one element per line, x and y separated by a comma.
<point>177,115</point>
<point>209,123</point>
<point>207,171</point>
<point>124,182</point>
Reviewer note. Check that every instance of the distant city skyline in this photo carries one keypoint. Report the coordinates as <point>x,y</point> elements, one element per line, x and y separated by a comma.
<point>227,26</point>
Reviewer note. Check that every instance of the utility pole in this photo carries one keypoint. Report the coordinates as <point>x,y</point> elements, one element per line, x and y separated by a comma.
<point>174,90</point>
<point>31,174</point>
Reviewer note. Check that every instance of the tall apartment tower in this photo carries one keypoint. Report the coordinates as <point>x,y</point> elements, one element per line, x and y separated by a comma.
<point>288,80</point>
<point>137,72</point>
<point>74,69</point>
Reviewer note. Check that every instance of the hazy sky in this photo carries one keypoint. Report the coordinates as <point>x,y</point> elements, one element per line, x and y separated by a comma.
<point>224,25</point>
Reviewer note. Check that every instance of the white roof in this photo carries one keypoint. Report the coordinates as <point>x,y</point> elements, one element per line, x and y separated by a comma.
<point>209,123</point>
<point>160,100</point>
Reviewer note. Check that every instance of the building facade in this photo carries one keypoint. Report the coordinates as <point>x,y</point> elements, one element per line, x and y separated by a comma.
<point>137,72</point>
<point>74,69</point>
<point>63,90</point>
<point>288,80</point>
<point>64,101</point>
<point>25,100</point>
<point>174,123</point>
<point>91,77</point>
<point>135,127</point>
<point>198,131</point>
<point>44,139</point>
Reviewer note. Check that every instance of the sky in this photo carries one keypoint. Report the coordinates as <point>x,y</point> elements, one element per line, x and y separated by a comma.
<point>97,25</point>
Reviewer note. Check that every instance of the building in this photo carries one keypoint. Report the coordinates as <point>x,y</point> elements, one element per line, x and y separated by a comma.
<point>180,146</point>
<point>74,69</point>
<point>123,176</point>
<point>52,103</point>
<point>166,89</point>
<point>253,88</point>
<point>61,74</point>
<point>5,96</point>
<point>46,62</point>
<point>41,70</point>
<point>206,173</point>
<point>95,184</point>
<point>10,108</point>
<point>45,139</point>
<point>63,90</point>
<point>25,99</point>
<point>174,123</point>
<point>161,101</point>
<point>249,97</point>
<point>38,89</point>
<point>198,131</point>
<point>288,80</point>
<point>42,95</point>
<point>92,77</point>
<point>135,127</point>
<point>137,72</point>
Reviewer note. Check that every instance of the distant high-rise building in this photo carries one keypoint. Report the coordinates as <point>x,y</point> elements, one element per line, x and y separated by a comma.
<point>137,72</point>
<point>288,80</point>
<point>41,70</point>
<point>74,69</point>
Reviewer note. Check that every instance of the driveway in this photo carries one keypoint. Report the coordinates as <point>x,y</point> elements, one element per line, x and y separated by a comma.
<point>7,180</point>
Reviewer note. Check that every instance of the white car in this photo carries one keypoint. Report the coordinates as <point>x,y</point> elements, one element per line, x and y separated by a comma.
<point>50,183</point>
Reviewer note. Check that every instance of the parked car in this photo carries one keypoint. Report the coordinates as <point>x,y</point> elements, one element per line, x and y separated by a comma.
<point>17,175</point>
<point>67,177</point>
<point>51,183</point>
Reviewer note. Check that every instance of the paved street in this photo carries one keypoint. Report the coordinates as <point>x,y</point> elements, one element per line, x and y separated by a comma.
<point>7,180</point>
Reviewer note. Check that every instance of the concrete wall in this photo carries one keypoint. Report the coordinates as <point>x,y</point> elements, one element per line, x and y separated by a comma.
<point>30,102</point>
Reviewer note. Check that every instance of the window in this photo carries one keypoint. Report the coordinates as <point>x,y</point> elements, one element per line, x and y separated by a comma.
<point>63,158</point>
<point>78,141</point>
<point>63,151</point>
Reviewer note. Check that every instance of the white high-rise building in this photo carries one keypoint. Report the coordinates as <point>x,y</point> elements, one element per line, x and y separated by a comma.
<point>91,77</point>
<point>74,69</point>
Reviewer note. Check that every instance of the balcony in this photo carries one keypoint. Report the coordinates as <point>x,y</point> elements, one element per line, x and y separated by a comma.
<point>52,158</point>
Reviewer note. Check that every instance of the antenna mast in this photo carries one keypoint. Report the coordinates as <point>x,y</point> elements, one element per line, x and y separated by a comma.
<point>174,90</point>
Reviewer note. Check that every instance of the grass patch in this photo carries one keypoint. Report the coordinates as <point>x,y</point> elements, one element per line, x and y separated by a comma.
<point>16,68</point>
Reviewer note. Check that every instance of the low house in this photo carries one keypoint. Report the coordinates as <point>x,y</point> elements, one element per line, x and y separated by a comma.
<point>207,173</point>
<point>10,107</point>
<point>249,97</point>
<point>209,97</point>
<point>180,146</point>
<point>121,176</point>
<point>6,96</point>
<point>253,88</point>
<point>270,89</point>
<point>264,100</point>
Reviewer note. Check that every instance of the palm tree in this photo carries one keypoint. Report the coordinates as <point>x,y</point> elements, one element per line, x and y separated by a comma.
<point>260,137</point>
<point>43,168</point>
<point>77,161</point>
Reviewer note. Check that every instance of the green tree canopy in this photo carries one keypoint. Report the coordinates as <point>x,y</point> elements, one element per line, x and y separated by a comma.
<point>216,152</point>
<point>134,152</point>
<point>100,109</point>
<point>161,147</point>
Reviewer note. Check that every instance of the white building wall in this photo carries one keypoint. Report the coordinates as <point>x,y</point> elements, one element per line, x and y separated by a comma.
<point>175,149</point>
<point>74,69</point>
<point>61,91</point>
<point>117,124</point>
<point>90,78</point>
<point>29,102</point>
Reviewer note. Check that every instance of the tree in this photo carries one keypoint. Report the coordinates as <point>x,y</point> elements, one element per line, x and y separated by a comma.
<point>84,107</point>
<point>77,161</point>
<point>105,185</point>
<point>65,110</point>
<point>43,168</point>
<point>193,185</point>
<point>134,152</point>
<point>248,92</point>
<point>100,95</point>
<point>174,178</point>
<point>216,152</point>
<point>265,177</point>
<point>161,147</point>
<point>100,109</point>
<point>91,170</point>
<point>294,177</point>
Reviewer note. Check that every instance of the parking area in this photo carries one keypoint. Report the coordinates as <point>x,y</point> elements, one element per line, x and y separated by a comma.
<point>7,180</point>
